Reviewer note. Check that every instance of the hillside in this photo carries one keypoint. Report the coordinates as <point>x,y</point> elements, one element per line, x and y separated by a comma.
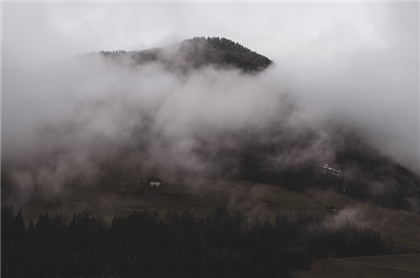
<point>273,151</point>
<point>196,53</point>
<point>294,160</point>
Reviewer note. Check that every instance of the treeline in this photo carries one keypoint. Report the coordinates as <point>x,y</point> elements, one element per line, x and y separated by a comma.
<point>195,53</point>
<point>179,244</point>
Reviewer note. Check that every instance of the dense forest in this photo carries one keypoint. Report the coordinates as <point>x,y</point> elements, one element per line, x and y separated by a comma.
<point>196,53</point>
<point>177,244</point>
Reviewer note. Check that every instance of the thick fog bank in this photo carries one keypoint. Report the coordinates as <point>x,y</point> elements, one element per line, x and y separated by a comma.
<point>73,121</point>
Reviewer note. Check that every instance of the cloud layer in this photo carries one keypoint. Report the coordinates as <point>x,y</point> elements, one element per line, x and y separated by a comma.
<point>356,63</point>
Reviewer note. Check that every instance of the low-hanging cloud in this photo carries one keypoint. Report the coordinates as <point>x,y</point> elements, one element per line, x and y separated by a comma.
<point>68,120</point>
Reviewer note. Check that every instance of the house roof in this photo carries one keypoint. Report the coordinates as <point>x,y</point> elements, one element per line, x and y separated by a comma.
<point>154,179</point>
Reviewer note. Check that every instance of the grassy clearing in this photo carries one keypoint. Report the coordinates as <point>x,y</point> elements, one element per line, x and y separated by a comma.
<point>409,262</point>
<point>368,268</point>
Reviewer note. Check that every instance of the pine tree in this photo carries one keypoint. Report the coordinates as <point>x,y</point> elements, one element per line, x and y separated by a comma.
<point>19,224</point>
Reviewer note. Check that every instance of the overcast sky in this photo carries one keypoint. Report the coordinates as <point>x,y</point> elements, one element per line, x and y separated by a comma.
<point>361,57</point>
<point>35,30</point>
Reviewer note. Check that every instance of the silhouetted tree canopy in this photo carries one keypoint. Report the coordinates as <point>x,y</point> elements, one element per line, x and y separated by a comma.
<point>178,244</point>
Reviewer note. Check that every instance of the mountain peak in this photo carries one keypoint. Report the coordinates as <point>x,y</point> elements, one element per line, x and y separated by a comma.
<point>196,53</point>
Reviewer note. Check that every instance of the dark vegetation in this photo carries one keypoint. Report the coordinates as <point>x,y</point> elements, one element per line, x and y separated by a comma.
<point>196,53</point>
<point>177,244</point>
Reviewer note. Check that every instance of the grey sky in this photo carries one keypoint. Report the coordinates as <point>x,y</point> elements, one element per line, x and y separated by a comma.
<point>274,29</point>
<point>355,60</point>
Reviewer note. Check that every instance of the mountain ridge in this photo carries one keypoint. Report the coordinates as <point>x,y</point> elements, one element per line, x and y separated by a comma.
<point>196,53</point>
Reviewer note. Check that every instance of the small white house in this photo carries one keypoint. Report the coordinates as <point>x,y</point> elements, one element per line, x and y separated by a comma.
<point>155,182</point>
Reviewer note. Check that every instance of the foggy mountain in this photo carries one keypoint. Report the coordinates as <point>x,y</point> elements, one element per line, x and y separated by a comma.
<point>131,114</point>
<point>215,139</point>
<point>196,53</point>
